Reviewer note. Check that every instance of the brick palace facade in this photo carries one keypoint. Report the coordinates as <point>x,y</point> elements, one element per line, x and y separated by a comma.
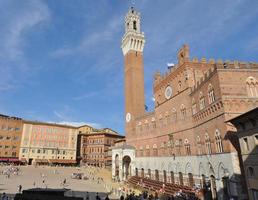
<point>186,139</point>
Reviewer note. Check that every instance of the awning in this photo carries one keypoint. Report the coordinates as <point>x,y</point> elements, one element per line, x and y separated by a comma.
<point>23,160</point>
<point>62,161</point>
<point>14,160</point>
<point>9,160</point>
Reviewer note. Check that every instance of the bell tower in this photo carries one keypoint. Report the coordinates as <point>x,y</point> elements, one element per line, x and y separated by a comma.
<point>132,47</point>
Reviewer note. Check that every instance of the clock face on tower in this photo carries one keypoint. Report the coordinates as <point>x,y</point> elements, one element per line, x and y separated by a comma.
<point>168,92</point>
<point>128,117</point>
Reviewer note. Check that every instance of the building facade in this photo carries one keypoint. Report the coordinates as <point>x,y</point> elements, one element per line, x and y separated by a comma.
<point>46,143</point>
<point>95,144</point>
<point>247,131</point>
<point>10,138</point>
<point>185,140</point>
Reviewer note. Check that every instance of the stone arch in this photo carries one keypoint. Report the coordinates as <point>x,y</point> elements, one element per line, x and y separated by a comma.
<point>170,165</point>
<point>251,80</point>
<point>202,170</point>
<point>127,166</point>
<point>188,168</point>
<point>178,168</point>
<point>162,166</point>
<point>221,170</point>
<point>211,169</point>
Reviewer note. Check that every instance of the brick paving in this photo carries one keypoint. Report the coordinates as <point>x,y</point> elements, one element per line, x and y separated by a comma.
<point>53,178</point>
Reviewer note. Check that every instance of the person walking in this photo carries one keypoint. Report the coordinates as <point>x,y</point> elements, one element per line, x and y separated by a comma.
<point>107,198</point>
<point>20,188</point>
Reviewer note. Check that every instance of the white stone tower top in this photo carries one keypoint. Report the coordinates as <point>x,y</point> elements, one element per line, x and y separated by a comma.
<point>133,38</point>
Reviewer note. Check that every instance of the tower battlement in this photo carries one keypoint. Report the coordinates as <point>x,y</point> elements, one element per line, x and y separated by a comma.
<point>204,78</point>
<point>224,65</point>
<point>184,59</point>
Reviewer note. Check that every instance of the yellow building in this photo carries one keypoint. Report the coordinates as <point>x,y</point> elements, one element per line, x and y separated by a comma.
<point>46,143</point>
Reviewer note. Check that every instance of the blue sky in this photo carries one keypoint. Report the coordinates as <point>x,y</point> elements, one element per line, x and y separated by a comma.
<point>60,61</point>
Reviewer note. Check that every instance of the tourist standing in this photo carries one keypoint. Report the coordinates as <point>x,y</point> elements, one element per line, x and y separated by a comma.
<point>97,196</point>
<point>19,188</point>
<point>87,196</point>
<point>4,197</point>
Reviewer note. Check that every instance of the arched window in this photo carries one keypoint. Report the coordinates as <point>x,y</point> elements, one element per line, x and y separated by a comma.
<point>250,172</point>
<point>202,101</point>
<point>183,111</point>
<point>199,145</point>
<point>178,144</point>
<point>207,144</point>
<point>187,147</point>
<point>153,123</point>
<point>141,151</point>
<point>218,141</point>
<point>211,94</point>
<point>134,25</point>
<point>174,115</point>
<point>162,149</point>
<point>147,150</point>
<point>194,107</point>
<point>179,86</point>
<point>252,86</point>
<point>155,150</point>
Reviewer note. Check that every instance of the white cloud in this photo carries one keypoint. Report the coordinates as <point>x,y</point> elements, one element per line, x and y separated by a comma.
<point>17,18</point>
<point>86,96</point>
<point>91,41</point>
<point>59,115</point>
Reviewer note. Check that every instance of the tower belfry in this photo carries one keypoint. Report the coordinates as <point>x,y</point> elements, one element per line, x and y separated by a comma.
<point>133,38</point>
<point>132,46</point>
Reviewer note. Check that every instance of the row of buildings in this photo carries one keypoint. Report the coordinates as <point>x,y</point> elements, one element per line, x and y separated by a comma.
<point>187,139</point>
<point>34,142</point>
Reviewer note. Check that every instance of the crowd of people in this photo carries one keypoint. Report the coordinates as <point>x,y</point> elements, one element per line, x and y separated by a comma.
<point>92,174</point>
<point>10,170</point>
<point>157,196</point>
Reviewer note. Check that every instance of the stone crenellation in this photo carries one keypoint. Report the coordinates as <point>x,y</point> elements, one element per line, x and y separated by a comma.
<point>219,64</point>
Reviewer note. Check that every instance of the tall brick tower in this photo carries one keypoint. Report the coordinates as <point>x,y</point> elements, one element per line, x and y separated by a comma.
<point>132,46</point>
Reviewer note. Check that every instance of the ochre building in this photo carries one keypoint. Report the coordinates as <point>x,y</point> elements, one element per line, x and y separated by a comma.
<point>46,143</point>
<point>95,144</point>
<point>10,138</point>
<point>185,140</point>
